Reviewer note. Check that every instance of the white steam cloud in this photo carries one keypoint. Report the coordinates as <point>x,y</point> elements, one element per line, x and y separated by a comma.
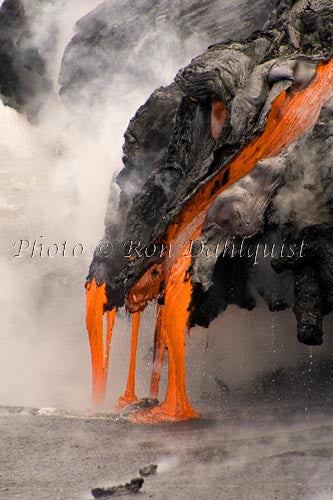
<point>56,177</point>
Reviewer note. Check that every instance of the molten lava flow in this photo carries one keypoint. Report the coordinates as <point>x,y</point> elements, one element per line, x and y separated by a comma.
<point>96,300</point>
<point>159,351</point>
<point>110,319</point>
<point>292,113</point>
<point>129,395</point>
<point>173,324</point>
<point>145,290</point>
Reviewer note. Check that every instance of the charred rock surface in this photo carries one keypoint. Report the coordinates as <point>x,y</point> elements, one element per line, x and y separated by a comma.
<point>22,69</point>
<point>114,37</point>
<point>146,143</point>
<point>295,206</point>
<point>266,206</point>
<point>230,238</point>
<point>307,217</point>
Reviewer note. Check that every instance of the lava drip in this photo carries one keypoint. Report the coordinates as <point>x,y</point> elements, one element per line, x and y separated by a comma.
<point>159,353</point>
<point>129,395</point>
<point>95,304</point>
<point>173,322</point>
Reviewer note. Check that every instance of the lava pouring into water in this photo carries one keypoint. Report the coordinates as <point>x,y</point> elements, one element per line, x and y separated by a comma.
<point>129,395</point>
<point>96,300</point>
<point>292,113</point>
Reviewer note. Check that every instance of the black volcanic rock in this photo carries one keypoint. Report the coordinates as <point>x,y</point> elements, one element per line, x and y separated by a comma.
<point>148,470</point>
<point>145,148</point>
<point>265,205</point>
<point>292,214</point>
<point>124,38</point>
<point>133,486</point>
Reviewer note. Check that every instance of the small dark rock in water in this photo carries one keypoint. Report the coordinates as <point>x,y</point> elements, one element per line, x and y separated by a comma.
<point>148,470</point>
<point>141,404</point>
<point>122,489</point>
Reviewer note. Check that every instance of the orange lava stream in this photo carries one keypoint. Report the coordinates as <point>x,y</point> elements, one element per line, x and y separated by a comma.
<point>160,344</point>
<point>95,302</point>
<point>110,319</point>
<point>173,324</point>
<point>129,395</point>
<point>292,114</point>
